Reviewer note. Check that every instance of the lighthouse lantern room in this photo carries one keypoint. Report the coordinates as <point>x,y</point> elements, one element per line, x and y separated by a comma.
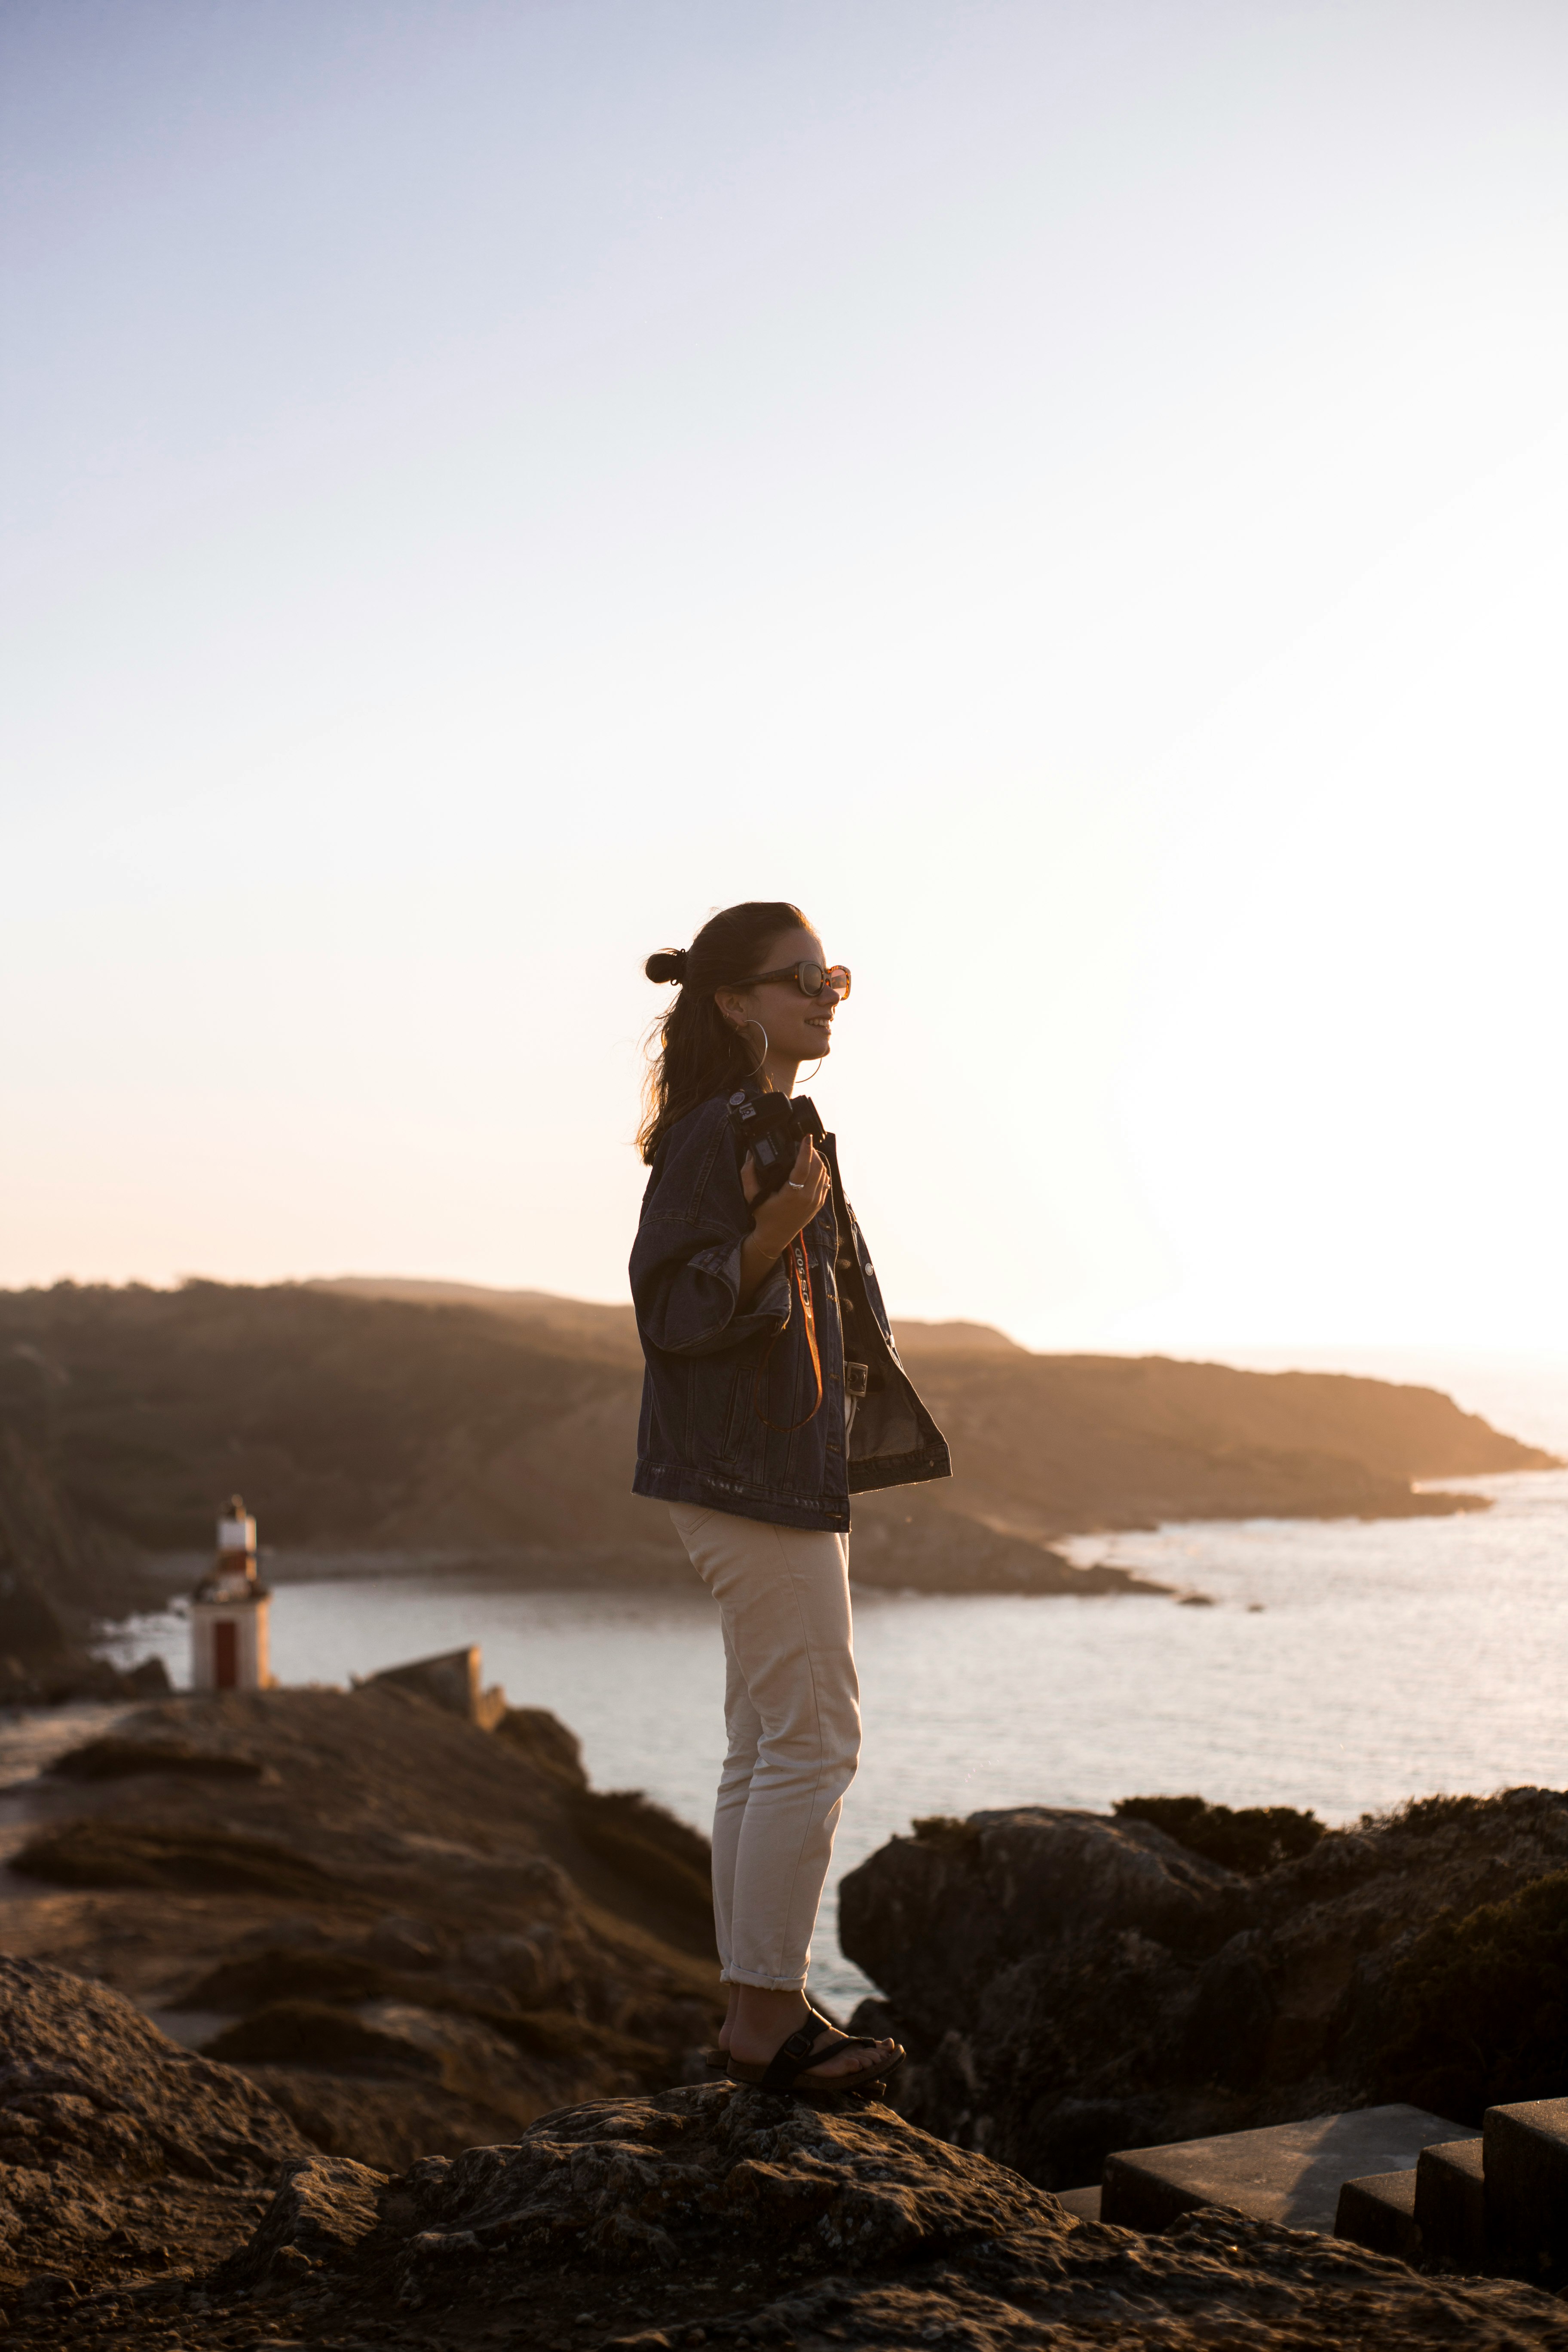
<point>229,1612</point>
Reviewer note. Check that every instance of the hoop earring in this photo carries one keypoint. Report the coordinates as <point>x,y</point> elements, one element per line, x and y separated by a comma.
<point>763,1054</point>
<point>812,1073</point>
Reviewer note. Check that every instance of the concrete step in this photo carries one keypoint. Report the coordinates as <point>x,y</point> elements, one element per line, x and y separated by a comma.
<point>1450,2205</point>
<point>1525,2151</point>
<point>1084,2202</point>
<point>1287,2172</point>
<point>1434,2214</point>
<point>1378,2211</point>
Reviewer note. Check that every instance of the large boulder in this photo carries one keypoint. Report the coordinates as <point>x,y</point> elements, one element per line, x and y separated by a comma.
<point>939,1913</point>
<point>1069,1983</point>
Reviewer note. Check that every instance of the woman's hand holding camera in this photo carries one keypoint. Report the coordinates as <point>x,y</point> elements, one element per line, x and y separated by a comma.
<point>781,1215</point>
<point>788,1211</point>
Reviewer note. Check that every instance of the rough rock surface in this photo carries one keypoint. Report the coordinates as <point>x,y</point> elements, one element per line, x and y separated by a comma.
<point>1069,1983</point>
<point>717,2216</point>
<point>324,2205</point>
<point>416,1934</point>
<point>118,2150</point>
<point>107,2087</point>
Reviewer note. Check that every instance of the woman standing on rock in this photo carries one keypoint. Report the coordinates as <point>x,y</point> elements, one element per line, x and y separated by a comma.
<point>773,1392</point>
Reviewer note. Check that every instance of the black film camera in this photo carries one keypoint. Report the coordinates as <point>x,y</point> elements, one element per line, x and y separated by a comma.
<point>771,1127</point>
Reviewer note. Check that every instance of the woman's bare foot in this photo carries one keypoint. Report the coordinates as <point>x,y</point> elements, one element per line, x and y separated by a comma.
<point>761,2021</point>
<point>728,2028</point>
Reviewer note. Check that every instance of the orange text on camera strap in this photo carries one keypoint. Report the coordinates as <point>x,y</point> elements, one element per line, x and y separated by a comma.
<point>800,1274</point>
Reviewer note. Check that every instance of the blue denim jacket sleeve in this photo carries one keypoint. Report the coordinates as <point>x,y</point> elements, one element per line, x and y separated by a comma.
<point>686,1260</point>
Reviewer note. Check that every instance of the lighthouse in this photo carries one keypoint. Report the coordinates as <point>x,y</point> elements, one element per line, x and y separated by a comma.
<point>228,1611</point>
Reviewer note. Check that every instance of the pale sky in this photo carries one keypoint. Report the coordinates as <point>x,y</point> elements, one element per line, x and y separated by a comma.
<point>1075,495</point>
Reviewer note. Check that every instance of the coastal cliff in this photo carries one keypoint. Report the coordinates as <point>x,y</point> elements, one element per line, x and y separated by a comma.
<point>58,1575</point>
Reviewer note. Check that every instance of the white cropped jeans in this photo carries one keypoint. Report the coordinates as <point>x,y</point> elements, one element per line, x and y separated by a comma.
<point>792,1709</point>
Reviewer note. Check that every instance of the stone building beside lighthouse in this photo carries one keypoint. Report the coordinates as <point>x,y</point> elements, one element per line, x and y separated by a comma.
<point>229,1611</point>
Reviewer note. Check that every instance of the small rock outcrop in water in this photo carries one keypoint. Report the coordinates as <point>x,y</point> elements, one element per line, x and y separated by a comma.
<point>1069,1984</point>
<point>709,2215</point>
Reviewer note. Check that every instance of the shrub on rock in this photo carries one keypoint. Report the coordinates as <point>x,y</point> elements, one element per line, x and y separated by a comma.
<point>1248,1840</point>
<point>1482,1999</point>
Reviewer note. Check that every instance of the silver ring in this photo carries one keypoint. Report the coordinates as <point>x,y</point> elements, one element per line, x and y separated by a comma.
<point>793,1185</point>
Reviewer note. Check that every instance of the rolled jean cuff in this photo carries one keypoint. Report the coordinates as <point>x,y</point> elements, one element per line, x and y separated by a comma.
<point>762,1983</point>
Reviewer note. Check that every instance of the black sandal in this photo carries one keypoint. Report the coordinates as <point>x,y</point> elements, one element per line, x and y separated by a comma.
<point>717,2060</point>
<point>792,2058</point>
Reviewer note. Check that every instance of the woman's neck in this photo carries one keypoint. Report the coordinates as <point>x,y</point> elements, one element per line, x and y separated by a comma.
<point>778,1072</point>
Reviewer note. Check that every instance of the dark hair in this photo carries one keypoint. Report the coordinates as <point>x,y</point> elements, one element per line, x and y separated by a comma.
<point>700,1055</point>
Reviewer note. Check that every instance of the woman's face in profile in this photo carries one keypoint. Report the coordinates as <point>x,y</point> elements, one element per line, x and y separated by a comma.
<point>798,1026</point>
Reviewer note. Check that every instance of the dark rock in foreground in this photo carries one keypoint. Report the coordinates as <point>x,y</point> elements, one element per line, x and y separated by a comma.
<point>713,2215</point>
<point>122,2156</point>
<point>1070,1984</point>
<point>719,2216</point>
<point>104,2086</point>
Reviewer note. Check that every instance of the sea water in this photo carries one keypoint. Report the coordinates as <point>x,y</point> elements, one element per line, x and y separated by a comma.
<point>1339,1666</point>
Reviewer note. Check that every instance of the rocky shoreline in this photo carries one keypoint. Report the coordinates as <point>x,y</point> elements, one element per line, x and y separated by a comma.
<point>151,2197</point>
<point>445,1999</point>
<point>883,1558</point>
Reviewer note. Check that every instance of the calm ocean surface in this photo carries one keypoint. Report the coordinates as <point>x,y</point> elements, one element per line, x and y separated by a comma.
<point>1341,1667</point>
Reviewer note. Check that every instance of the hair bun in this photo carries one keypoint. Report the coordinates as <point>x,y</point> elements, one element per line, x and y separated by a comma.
<point>669,964</point>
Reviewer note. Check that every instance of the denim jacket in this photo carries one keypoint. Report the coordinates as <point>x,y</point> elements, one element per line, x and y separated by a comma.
<point>718,1373</point>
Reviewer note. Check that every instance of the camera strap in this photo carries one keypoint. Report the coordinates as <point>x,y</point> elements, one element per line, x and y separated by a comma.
<point>800,1276</point>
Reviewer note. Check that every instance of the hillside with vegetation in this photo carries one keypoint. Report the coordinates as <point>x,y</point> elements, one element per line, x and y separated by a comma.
<point>502,1426</point>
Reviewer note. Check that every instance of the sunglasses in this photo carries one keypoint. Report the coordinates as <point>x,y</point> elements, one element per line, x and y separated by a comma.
<point>811,979</point>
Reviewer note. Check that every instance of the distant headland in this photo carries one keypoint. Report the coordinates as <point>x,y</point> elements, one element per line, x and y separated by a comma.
<point>446,1424</point>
